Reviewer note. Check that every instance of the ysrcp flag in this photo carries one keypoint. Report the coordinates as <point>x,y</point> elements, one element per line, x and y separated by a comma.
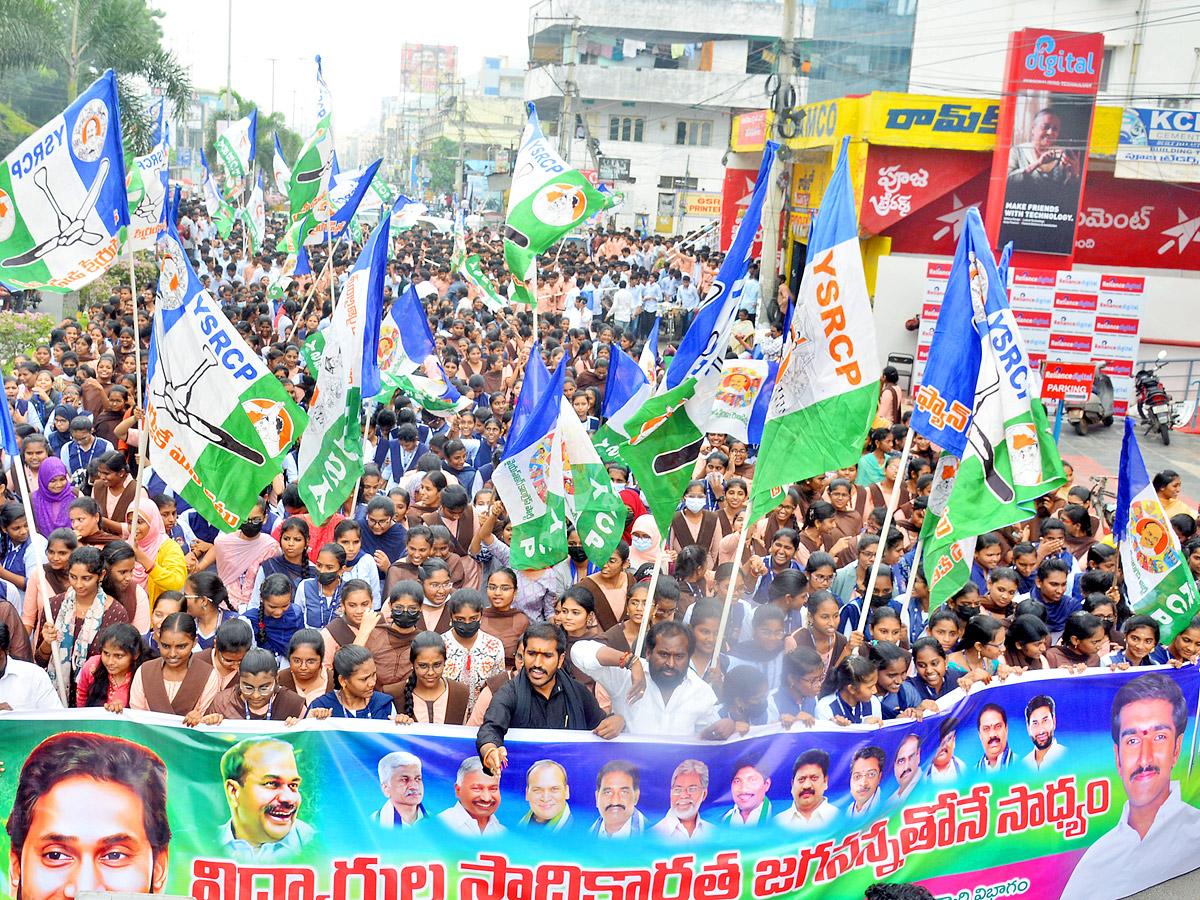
<point>220,423</point>
<point>547,199</point>
<point>62,196</point>
<point>472,270</point>
<point>597,511</point>
<point>219,210</point>
<point>280,168</point>
<point>408,362</point>
<point>826,390</point>
<point>529,480</point>
<point>330,460</point>
<point>405,213</point>
<point>254,217</point>
<point>332,213</point>
<point>742,381</point>
<point>235,147</point>
<point>1156,573</point>
<point>147,190</point>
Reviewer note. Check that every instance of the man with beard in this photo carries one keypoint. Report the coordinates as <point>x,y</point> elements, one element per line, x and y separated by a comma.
<point>262,788</point>
<point>547,792</point>
<point>1041,723</point>
<point>478,793</point>
<point>689,789</point>
<point>673,700</point>
<point>401,782</point>
<point>810,810</point>
<point>540,696</point>
<point>751,781</point>
<point>1154,837</point>
<point>866,771</point>
<point>89,814</point>
<point>992,723</point>
<point>907,766</point>
<point>618,789</point>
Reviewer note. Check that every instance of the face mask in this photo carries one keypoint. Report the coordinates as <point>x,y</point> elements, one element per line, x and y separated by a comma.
<point>755,711</point>
<point>465,629</point>
<point>618,486</point>
<point>69,371</point>
<point>577,554</point>
<point>252,529</point>
<point>694,504</point>
<point>406,618</point>
<point>481,511</point>
<point>642,544</point>
<point>327,578</point>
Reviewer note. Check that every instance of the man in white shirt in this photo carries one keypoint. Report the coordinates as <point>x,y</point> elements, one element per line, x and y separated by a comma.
<point>618,789</point>
<point>866,771</point>
<point>672,700</point>
<point>751,781</point>
<point>993,736</point>
<point>810,810</point>
<point>1041,723</point>
<point>478,793</point>
<point>23,686</point>
<point>425,287</point>
<point>578,315</point>
<point>689,789</point>
<point>622,308</point>
<point>1158,831</point>
<point>907,766</point>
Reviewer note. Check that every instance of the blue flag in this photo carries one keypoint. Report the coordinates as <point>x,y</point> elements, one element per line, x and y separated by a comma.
<point>407,358</point>
<point>536,383</point>
<point>707,338</point>
<point>762,403</point>
<point>625,381</point>
<point>8,434</point>
<point>946,398</point>
<point>373,260</point>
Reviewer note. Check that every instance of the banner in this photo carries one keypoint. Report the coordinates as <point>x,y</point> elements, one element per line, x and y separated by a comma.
<point>1042,140</point>
<point>1159,144</point>
<point>146,186</point>
<point>321,811</point>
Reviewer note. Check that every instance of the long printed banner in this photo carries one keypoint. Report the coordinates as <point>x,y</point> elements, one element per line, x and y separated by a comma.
<point>1074,787</point>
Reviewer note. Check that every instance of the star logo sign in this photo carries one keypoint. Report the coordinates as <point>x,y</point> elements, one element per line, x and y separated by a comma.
<point>1184,233</point>
<point>953,220</point>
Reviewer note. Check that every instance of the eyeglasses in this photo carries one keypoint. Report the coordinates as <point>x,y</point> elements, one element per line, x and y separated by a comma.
<point>442,586</point>
<point>265,690</point>
<point>256,521</point>
<point>693,791</point>
<point>187,597</point>
<point>380,523</point>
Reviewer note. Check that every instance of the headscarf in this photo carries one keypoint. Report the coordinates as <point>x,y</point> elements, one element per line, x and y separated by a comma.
<point>51,509</point>
<point>646,524</point>
<point>57,440</point>
<point>154,539</point>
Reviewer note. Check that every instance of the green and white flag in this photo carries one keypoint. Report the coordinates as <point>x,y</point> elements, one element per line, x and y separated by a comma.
<point>63,207</point>
<point>547,200</point>
<point>408,361</point>
<point>330,460</point>
<point>219,209</point>
<point>472,270</point>
<point>220,423</point>
<point>1156,574</point>
<point>310,174</point>
<point>235,148</point>
<point>254,218</point>
<point>147,189</point>
<point>1009,458</point>
<point>827,388</point>
<point>596,509</point>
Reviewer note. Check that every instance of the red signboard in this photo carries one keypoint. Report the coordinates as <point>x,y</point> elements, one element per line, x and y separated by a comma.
<point>1116,325</point>
<point>900,180</point>
<point>1137,223</point>
<point>1042,139</point>
<point>735,195</point>
<point>1067,380</point>
<point>1075,301</point>
<point>1028,318</point>
<point>752,129</point>
<point>1070,343</point>
<point>592,175</point>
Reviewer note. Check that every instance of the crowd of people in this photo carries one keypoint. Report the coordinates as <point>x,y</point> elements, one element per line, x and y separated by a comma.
<point>404,606</point>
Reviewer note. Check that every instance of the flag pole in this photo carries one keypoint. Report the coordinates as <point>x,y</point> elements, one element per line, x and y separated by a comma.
<point>737,565</point>
<point>143,432</point>
<point>55,646</point>
<point>883,531</point>
<point>646,614</point>
<point>308,298</point>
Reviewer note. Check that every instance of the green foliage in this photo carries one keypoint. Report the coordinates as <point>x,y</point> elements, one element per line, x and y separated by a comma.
<point>13,130</point>
<point>264,150</point>
<point>21,333</point>
<point>443,165</point>
<point>145,273</point>
<point>52,49</point>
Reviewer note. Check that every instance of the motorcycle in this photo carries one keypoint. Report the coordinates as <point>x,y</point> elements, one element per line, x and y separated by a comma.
<point>1096,409</point>
<point>1154,404</point>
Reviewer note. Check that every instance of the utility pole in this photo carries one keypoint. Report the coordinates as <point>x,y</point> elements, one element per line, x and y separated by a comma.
<point>462,117</point>
<point>229,67</point>
<point>566,131</point>
<point>773,203</point>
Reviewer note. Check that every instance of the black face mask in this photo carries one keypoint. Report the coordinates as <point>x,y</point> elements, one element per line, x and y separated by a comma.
<point>754,712</point>
<point>405,618</point>
<point>577,554</point>
<point>327,578</point>
<point>252,529</point>
<point>465,629</point>
<point>69,372</point>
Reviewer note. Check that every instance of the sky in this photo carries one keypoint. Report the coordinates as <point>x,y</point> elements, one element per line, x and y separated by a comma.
<point>359,42</point>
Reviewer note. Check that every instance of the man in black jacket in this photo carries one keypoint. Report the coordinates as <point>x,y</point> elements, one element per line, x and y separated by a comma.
<point>540,696</point>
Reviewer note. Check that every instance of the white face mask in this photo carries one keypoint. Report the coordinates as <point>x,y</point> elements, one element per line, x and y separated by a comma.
<point>481,511</point>
<point>694,504</point>
<point>618,486</point>
<point>642,544</point>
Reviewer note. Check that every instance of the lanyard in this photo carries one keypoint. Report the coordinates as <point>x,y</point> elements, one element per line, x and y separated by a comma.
<point>853,713</point>
<point>270,708</point>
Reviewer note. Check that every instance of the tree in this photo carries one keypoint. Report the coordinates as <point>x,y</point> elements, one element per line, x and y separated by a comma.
<point>443,165</point>
<point>79,40</point>
<point>264,149</point>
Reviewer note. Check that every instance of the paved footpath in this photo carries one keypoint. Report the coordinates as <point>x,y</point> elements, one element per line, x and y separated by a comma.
<point>1099,453</point>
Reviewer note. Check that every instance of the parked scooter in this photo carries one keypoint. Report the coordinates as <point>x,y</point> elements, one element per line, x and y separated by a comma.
<point>1097,409</point>
<point>1153,402</point>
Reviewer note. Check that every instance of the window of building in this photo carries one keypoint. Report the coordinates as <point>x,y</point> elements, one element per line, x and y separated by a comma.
<point>1105,68</point>
<point>678,183</point>
<point>693,133</point>
<point>626,128</point>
